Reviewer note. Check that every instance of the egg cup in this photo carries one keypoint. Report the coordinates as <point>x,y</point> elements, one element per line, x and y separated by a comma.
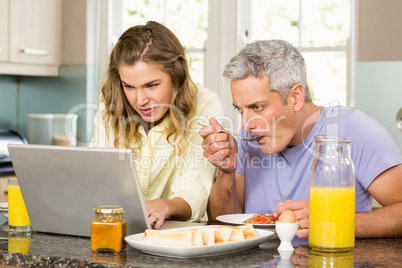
<point>286,231</point>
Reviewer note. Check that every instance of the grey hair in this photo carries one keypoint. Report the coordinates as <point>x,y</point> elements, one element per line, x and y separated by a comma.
<point>280,61</point>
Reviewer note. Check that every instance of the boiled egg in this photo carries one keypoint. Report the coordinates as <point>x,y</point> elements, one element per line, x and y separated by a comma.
<point>287,216</point>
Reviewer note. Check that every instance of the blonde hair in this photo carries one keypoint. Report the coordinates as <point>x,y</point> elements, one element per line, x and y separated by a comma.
<point>154,44</point>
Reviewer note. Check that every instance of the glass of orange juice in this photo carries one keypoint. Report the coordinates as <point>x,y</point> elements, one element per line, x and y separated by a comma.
<point>332,196</point>
<point>18,218</point>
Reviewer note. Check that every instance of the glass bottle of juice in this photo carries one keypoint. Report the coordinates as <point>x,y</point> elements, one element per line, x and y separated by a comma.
<point>108,230</point>
<point>18,218</point>
<point>332,196</point>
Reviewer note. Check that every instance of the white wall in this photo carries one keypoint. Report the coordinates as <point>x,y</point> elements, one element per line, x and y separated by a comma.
<point>378,93</point>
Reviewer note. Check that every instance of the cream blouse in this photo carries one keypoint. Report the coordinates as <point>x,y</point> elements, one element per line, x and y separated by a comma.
<point>162,173</point>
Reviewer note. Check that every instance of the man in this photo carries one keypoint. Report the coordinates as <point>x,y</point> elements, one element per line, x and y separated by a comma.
<point>272,174</point>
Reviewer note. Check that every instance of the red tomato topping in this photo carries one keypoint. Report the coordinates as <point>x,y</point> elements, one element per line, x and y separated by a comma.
<point>273,218</point>
<point>261,219</point>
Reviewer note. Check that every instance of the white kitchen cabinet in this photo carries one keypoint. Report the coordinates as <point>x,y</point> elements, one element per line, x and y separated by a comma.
<point>4,30</point>
<point>34,37</point>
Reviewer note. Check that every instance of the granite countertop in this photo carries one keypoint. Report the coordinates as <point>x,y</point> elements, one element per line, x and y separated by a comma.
<point>70,251</point>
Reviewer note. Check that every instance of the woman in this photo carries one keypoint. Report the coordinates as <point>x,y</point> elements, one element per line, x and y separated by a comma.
<point>150,104</point>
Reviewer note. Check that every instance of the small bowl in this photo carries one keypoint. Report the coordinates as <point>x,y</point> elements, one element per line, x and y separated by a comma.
<point>286,231</point>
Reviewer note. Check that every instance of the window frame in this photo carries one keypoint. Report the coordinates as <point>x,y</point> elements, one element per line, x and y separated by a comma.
<point>229,24</point>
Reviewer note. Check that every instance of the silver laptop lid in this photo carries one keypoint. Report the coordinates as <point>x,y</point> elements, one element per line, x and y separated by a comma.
<point>62,185</point>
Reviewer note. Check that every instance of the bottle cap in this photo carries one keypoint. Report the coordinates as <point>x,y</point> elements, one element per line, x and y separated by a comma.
<point>109,209</point>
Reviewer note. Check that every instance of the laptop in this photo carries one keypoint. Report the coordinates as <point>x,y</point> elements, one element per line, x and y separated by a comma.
<point>62,185</point>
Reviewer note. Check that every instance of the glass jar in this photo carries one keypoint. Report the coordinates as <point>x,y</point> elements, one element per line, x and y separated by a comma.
<point>332,196</point>
<point>108,230</point>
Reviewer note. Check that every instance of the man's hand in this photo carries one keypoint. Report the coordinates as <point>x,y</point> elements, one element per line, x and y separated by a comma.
<point>219,148</point>
<point>301,209</point>
<point>227,193</point>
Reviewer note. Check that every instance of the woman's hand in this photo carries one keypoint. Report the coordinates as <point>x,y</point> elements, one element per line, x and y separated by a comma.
<point>156,212</point>
<point>161,209</point>
<point>301,208</point>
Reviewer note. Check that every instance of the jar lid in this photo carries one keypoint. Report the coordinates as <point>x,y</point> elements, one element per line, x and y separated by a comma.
<point>109,209</point>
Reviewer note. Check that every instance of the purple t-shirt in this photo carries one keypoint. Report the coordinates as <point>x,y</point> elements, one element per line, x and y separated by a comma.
<point>271,179</point>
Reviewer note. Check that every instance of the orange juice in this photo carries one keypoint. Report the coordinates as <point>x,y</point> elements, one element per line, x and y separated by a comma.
<point>17,212</point>
<point>332,218</point>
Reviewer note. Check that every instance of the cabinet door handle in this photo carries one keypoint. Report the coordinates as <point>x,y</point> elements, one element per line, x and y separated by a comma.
<point>34,51</point>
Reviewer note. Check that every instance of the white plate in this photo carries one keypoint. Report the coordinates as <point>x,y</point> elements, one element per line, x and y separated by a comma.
<point>239,218</point>
<point>200,251</point>
<point>4,209</point>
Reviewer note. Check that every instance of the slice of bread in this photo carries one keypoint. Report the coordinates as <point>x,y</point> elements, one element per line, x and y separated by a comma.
<point>237,234</point>
<point>196,239</point>
<point>249,231</point>
<point>222,234</point>
<point>208,236</point>
<point>181,238</point>
<point>200,236</point>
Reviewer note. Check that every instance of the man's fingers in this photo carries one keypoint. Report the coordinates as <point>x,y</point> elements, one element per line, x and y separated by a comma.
<point>206,131</point>
<point>302,233</point>
<point>216,142</point>
<point>290,205</point>
<point>213,121</point>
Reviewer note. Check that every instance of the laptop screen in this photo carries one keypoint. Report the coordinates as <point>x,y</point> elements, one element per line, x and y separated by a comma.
<point>62,185</point>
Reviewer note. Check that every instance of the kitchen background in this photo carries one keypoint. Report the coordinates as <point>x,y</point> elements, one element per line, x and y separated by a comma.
<point>366,56</point>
